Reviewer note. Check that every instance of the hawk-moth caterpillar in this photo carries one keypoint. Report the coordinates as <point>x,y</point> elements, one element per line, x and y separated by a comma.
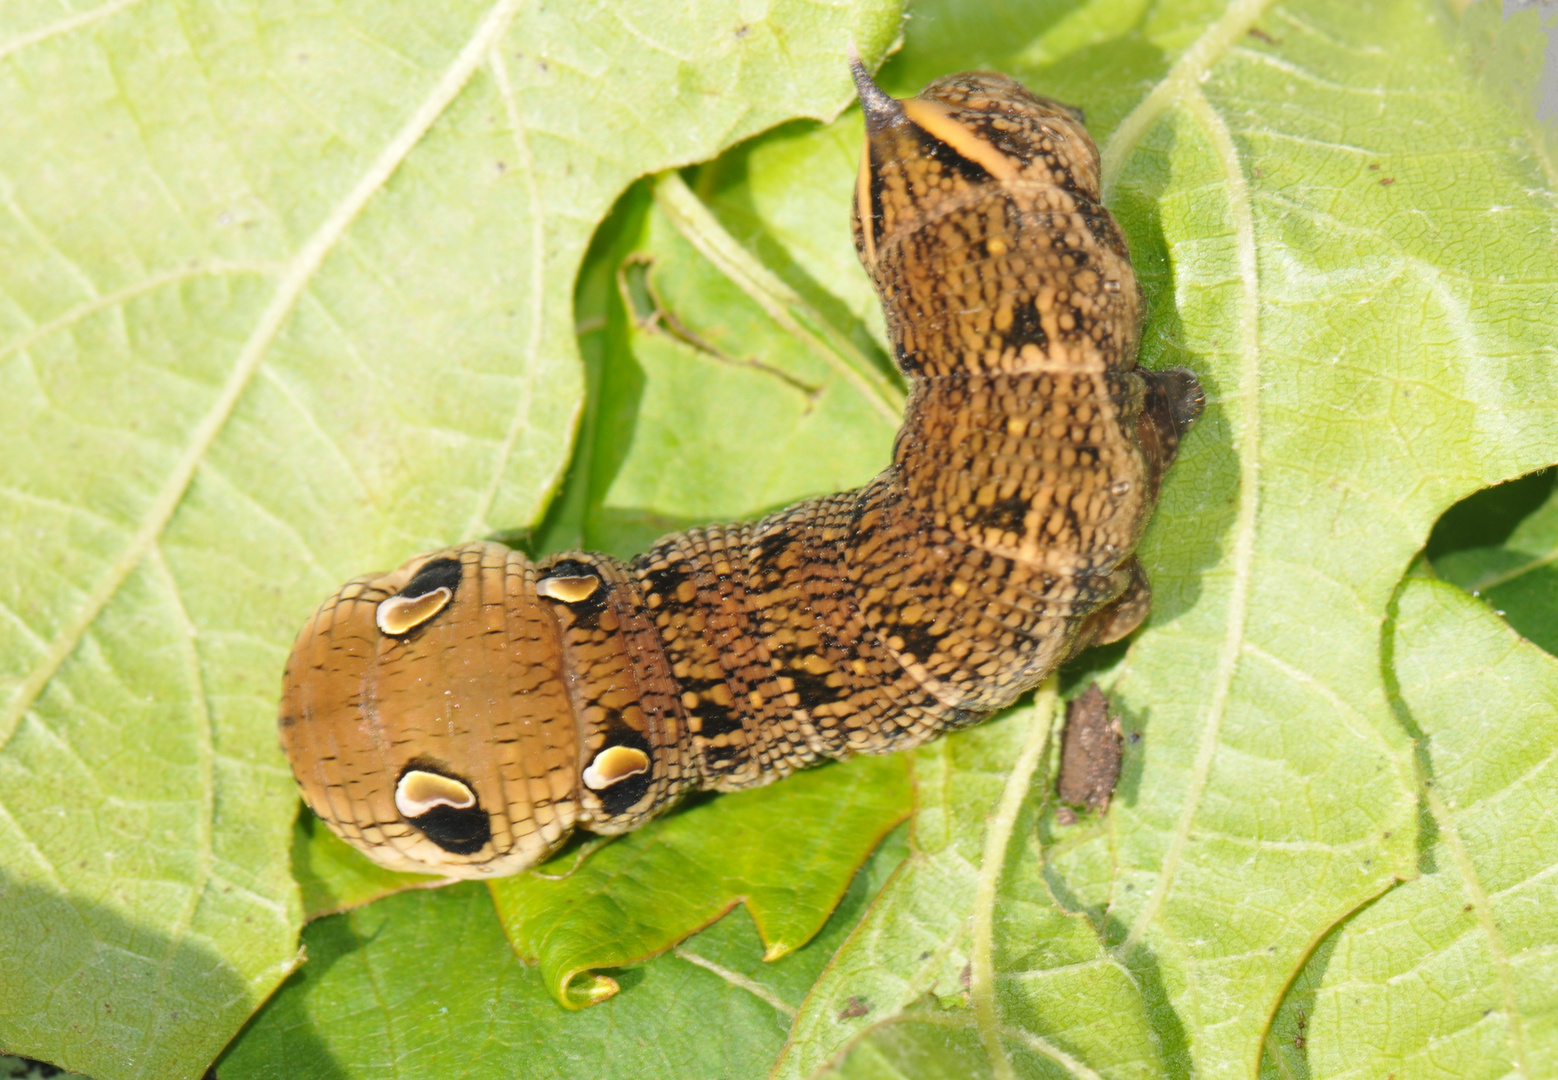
<point>464,713</point>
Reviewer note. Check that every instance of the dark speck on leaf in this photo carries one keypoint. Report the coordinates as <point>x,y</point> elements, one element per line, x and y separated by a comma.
<point>1374,165</point>
<point>1386,181</point>
<point>743,30</point>
<point>856,1007</point>
<point>1261,35</point>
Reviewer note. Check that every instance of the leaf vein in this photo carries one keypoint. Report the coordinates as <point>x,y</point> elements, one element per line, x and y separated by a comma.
<point>294,281</point>
<point>119,297</point>
<point>736,979</point>
<point>478,523</point>
<point>998,836</point>
<point>64,26</point>
<point>1247,441</point>
<point>1181,83</point>
<point>1498,951</point>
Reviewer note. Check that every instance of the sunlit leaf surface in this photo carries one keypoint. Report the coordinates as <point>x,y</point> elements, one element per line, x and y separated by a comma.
<point>425,984</point>
<point>287,297</point>
<point>1455,973</point>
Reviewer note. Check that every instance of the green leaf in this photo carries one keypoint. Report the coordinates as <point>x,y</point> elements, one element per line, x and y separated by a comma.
<point>1372,352</point>
<point>750,400</point>
<point>424,984</point>
<point>286,297</point>
<point>965,960</point>
<point>1363,371</point>
<point>334,876</point>
<point>1518,577</point>
<point>1455,973</point>
<point>787,852</point>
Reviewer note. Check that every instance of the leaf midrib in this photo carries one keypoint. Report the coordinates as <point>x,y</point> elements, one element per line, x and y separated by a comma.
<point>1182,89</point>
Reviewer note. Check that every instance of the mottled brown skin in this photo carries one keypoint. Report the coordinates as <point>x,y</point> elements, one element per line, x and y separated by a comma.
<point>997,543</point>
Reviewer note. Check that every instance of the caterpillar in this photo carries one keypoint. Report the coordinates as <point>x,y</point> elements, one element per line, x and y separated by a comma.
<point>463,714</point>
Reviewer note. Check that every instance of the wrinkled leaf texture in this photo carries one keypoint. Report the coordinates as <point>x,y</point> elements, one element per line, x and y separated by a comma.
<point>286,296</point>
<point>1345,229</point>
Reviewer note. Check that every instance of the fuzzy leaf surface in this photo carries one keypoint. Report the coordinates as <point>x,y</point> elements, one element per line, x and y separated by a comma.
<point>1456,972</point>
<point>286,296</point>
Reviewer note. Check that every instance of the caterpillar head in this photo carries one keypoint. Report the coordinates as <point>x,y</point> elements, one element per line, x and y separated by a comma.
<point>426,718</point>
<point>462,714</point>
<point>958,135</point>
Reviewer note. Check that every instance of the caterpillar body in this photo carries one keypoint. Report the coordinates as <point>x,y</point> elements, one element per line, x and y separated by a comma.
<point>463,714</point>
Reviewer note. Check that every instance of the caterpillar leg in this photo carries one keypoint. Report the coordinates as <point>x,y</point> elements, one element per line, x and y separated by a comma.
<point>1123,614</point>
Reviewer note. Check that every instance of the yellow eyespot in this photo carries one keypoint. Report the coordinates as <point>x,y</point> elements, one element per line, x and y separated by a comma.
<point>403,614</point>
<point>570,590</point>
<point>418,792</point>
<point>613,765</point>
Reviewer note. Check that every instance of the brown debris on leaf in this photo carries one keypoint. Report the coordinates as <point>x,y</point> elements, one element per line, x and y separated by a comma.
<point>1090,752</point>
<point>856,1007</point>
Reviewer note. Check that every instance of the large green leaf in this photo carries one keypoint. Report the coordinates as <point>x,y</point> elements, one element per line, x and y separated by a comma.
<point>1364,369</point>
<point>1455,973</point>
<point>285,297</point>
<point>424,984</point>
<point>787,852</point>
<point>965,957</point>
<point>1372,351</point>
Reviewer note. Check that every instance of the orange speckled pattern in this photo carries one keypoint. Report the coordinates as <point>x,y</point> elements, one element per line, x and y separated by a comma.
<point>998,543</point>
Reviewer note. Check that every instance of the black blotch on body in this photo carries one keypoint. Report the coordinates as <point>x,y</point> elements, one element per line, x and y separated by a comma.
<point>460,832</point>
<point>917,639</point>
<point>951,160</point>
<point>1026,328</point>
<point>438,574</point>
<point>622,796</point>
<point>813,690</point>
<point>591,606</point>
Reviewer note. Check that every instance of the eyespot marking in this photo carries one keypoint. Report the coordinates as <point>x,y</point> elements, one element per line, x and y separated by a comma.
<point>570,590</point>
<point>444,809</point>
<point>419,791</point>
<point>403,614</point>
<point>614,764</point>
